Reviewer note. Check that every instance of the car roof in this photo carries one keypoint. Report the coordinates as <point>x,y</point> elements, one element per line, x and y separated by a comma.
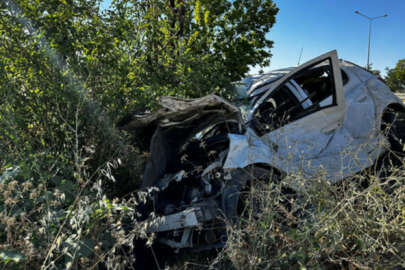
<point>258,83</point>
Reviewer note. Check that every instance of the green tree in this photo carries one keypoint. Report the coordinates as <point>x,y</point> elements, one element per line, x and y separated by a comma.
<point>190,48</point>
<point>56,54</point>
<point>395,77</point>
<point>68,72</point>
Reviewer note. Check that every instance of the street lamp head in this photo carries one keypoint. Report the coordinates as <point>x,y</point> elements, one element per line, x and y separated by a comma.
<point>370,19</point>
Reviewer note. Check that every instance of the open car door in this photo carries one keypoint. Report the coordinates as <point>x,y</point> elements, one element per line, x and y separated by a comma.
<point>298,115</point>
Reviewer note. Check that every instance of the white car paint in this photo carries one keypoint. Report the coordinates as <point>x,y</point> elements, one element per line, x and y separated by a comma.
<point>337,140</point>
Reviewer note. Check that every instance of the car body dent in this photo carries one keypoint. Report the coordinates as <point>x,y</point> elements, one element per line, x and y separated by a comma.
<point>336,138</point>
<point>350,139</point>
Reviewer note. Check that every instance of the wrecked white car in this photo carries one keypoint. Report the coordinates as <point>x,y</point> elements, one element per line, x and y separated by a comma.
<point>326,116</point>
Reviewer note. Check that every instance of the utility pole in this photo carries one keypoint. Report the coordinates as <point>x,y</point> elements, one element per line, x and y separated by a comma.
<point>370,20</point>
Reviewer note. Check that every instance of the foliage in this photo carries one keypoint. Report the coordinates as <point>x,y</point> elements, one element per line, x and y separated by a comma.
<point>129,55</point>
<point>45,227</point>
<point>395,77</point>
<point>69,71</point>
<point>189,48</point>
<point>325,226</point>
<point>355,224</point>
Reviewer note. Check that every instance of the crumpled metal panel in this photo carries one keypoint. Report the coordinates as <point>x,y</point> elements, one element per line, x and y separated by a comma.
<point>360,113</point>
<point>188,218</point>
<point>343,158</point>
<point>349,148</point>
<point>341,150</point>
<point>172,125</point>
<point>247,149</point>
<point>175,111</point>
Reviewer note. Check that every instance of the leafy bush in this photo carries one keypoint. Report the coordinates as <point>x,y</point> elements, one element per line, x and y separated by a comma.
<point>69,71</point>
<point>395,77</point>
<point>356,224</point>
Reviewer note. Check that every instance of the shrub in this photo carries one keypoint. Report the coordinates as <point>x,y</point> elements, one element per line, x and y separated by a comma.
<point>47,222</point>
<point>323,226</point>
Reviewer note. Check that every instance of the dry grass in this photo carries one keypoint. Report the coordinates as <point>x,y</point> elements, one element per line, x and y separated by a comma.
<point>356,224</point>
<point>294,223</point>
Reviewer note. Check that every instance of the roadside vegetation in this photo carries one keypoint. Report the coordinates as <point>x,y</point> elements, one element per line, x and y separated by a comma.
<point>396,77</point>
<point>69,71</point>
<point>355,224</point>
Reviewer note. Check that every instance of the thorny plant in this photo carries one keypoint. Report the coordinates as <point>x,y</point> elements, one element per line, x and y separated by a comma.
<point>51,222</point>
<point>346,225</point>
<point>357,224</point>
<point>298,222</point>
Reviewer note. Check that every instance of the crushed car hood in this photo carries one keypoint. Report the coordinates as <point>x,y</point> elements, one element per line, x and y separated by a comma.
<point>171,126</point>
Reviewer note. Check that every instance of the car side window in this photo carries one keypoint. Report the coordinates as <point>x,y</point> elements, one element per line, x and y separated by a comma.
<point>308,91</point>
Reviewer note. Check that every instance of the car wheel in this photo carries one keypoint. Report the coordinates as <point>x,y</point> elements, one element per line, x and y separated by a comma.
<point>235,192</point>
<point>393,124</point>
<point>393,127</point>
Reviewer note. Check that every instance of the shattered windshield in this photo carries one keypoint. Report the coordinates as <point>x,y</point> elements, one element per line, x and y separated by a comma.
<point>247,91</point>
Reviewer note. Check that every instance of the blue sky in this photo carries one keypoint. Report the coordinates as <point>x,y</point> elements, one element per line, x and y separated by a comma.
<point>319,26</point>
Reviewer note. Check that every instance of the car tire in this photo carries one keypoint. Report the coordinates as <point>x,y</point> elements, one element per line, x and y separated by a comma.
<point>393,125</point>
<point>232,195</point>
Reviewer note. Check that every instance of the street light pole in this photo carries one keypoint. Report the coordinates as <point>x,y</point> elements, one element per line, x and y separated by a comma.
<point>370,20</point>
